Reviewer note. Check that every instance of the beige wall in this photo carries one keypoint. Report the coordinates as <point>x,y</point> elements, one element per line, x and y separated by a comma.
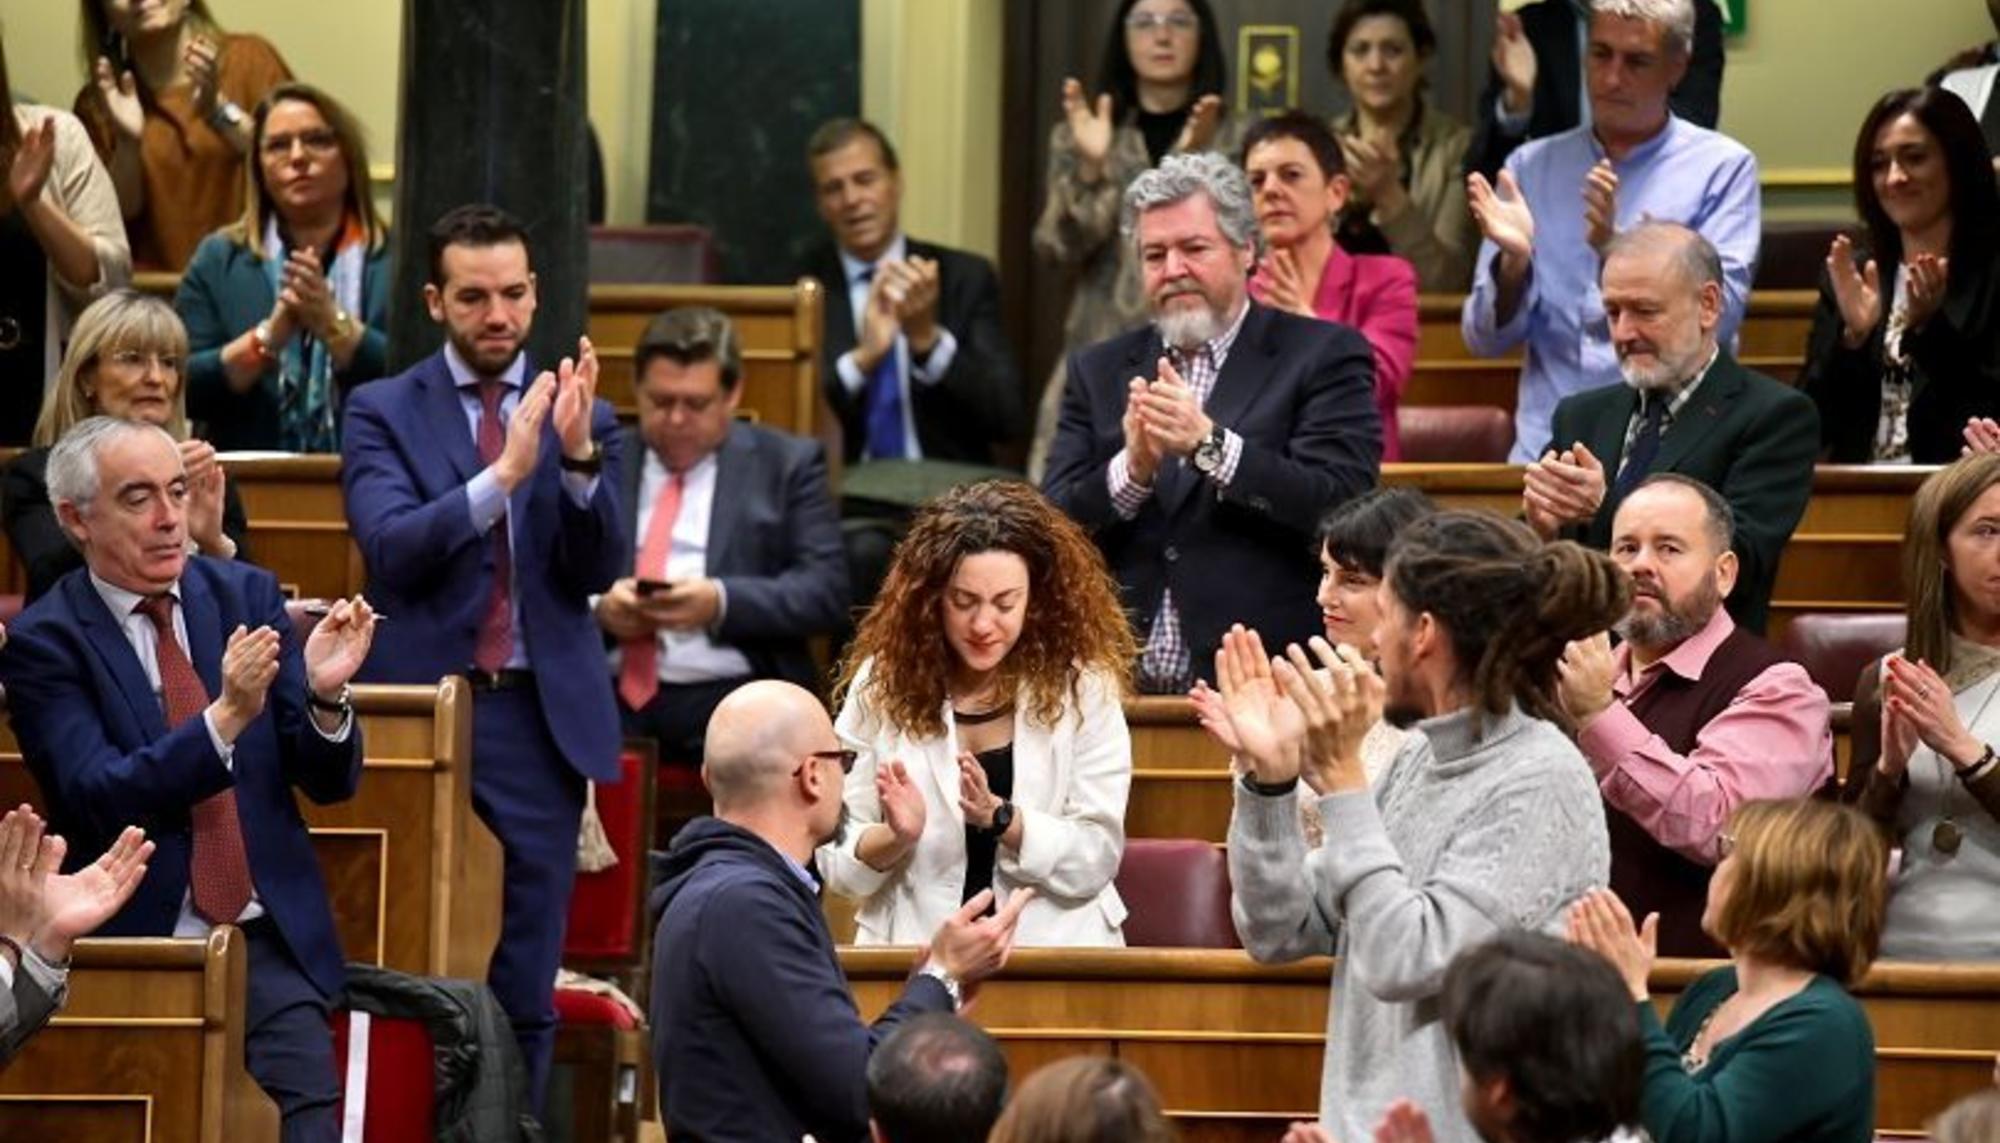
<point>1796,86</point>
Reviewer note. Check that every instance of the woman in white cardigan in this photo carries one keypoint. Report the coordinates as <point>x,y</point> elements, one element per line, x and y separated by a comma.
<point>983,694</point>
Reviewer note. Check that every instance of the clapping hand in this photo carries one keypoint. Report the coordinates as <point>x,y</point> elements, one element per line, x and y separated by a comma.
<point>1857,291</point>
<point>1584,676</point>
<point>1928,276</point>
<point>1562,488</point>
<point>1307,1132</point>
<point>1171,415</point>
<point>1339,703</point>
<point>1404,1122</point>
<point>1374,166</point>
<point>1284,285</point>
<point>975,798</point>
<point>29,166</point>
<point>307,295</point>
<point>1600,205</point>
<point>77,903</point>
<point>1982,434</point>
<point>24,866</point>
<point>916,308</point>
<point>1600,922</point>
<point>971,946</point>
<point>1917,698</point>
<point>249,663</point>
<point>120,93</point>
<point>902,803</point>
<point>1514,62</point>
<point>339,645</point>
<point>1142,452</point>
<point>1089,127</point>
<point>200,62</point>
<point>1265,729</point>
<point>1503,215</point>
<point>1202,121</point>
<point>575,400</point>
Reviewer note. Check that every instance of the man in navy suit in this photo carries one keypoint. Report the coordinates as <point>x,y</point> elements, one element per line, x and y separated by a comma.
<point>736,556</point>
<point>1202,451</point>
<point>916,365</point>
<point>481,506</point>
<point>150,688</point>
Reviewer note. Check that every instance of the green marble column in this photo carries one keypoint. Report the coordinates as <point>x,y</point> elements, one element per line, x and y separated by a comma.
<point>493,110</point>
<point>738,86</point>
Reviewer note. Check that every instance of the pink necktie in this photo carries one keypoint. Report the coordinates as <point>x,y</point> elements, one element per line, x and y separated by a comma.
<point>639,671</point>
<point>219,874</point>
<point>496,627</point>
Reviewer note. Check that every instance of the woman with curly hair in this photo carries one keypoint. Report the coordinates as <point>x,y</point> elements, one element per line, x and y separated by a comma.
<point>983,695</point>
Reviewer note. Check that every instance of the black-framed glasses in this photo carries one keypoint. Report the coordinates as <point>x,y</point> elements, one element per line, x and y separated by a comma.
<point>846,758</point>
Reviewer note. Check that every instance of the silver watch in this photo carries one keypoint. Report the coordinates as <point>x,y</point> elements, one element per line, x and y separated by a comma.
<point>952,988</point>
<point>1208,455</point>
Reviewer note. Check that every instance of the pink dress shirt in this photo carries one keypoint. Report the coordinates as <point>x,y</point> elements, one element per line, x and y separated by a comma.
<point>1377,295</point>
<point>1774,741</point>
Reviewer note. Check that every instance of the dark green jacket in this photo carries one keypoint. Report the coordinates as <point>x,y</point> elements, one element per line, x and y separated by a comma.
<point>1803,1072</point>
<point>1751,438</point>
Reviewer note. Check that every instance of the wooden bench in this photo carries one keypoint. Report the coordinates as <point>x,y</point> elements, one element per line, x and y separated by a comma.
<point>148,1049</point>
<point>1235,1048</point>
<point>413,876</point>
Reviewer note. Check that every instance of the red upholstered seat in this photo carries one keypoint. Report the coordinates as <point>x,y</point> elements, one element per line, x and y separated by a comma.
<point>401,1082</point>
<point>1835,646</point>
<point>1455,434</point>
<point>1176,895</point>
<point>603,924</point>
<point>575,1006</point>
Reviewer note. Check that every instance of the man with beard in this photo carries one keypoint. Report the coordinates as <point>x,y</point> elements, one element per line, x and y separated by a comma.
<point>1691,716</point>
<point>476,492</point>
<point>1686,406</point>
<point>755,1034</point>
<point>1201,451</point>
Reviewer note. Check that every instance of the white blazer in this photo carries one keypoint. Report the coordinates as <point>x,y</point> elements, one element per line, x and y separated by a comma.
<point>1070,785</point>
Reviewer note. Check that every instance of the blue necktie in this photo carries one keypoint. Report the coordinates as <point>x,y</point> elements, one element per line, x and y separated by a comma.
<point>884,403</point>
<point>1645,446</point>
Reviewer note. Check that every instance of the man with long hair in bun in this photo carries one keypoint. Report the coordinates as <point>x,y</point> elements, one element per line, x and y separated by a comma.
<point>983,697</point>
<point>1487,818</point>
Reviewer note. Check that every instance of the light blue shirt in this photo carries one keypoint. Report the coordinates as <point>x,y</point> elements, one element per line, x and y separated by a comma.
<point>857,274</point>
<point>484,497</point>
<point>1685,174</point>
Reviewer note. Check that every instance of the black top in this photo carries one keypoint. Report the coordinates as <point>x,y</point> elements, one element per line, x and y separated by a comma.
<point>24,304</point>
<point>983,848</point>
<point>1162,130</point>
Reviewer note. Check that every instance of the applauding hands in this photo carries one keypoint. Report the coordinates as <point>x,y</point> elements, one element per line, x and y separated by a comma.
<point>47,910</point>
<point>1286,718</point>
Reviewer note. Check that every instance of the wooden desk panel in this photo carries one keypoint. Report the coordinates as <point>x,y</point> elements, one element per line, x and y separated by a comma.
<point>412,875</point>
<point>148,1049</point>
<point>1235,1048</point>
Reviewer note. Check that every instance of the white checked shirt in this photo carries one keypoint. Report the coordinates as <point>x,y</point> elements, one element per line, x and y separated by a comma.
<point>1166,664</point>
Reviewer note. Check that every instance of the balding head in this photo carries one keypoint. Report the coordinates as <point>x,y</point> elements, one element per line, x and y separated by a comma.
<point>1662,291</point>
<point>757,738</point>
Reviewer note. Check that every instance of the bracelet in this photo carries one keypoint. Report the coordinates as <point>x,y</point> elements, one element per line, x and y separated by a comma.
<point>1980,767</point>
<point>260,340</point>
<point>1269,789</point>
<point>20,954</point>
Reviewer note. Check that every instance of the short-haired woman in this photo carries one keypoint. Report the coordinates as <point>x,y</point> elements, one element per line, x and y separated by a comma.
<point>1926,721</point>
<point>1771,1045</point>
<point>1084,1099</point>
<point>983,696</point>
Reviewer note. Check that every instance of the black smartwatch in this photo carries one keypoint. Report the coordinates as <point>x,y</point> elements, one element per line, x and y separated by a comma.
<point>1002,818</point>
<point>589,466</point>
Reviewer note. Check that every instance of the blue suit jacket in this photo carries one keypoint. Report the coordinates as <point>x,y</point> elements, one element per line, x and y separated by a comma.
<point>773,541</point>
<point>406,457</point>
<point>95,737</point>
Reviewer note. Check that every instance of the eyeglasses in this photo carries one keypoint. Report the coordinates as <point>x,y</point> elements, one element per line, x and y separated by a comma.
<point>1725,844</point>
<point>846,758</point>
<point>134,359</point>
<point>1143,22</point>
<point>315,143</point>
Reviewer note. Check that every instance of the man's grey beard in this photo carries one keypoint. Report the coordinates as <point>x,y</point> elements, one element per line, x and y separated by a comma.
<point>1669,374</point>
<point>1187,329</point>
<point>1673,625</point>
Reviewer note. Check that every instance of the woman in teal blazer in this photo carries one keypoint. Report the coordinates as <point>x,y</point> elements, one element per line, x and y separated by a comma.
<point>288,309</point>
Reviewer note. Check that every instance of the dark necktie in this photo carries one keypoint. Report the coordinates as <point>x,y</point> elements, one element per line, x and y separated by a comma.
<point>496,626</point>
<point>883,401</point>
<point>219,874</point>
<point>1638,462</point>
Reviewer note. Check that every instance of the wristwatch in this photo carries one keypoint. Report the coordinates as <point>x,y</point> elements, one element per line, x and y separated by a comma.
<point>340,704</point>
<point>1208,455</point>
<point>590,465</point>
<point>1002,818</point>
<point>227,115</point>
<point>952,988</point>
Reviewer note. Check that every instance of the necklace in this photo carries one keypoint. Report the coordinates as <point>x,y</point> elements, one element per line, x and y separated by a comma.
<point>1696,1056</point>
<point>985,716</point>
<point>1946,836</point>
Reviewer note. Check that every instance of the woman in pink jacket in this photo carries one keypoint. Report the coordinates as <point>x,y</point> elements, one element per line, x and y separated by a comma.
<point>1300,182</point>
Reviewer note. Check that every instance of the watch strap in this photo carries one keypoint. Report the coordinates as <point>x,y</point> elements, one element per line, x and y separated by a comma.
<point>952,987</point>
<point>340,705</point>
<point>590,465</point>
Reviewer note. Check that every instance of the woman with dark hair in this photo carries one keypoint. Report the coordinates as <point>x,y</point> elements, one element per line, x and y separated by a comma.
<point>1160,91</point>
<point>1486,819</point>
<point>1354,542</point>
<point>165,104</point>
<point>61,245</point>
<point>1404,156</point>
<point>1084,1099</point>
<point>1771,1045</point>
<point>287,308</point>
<point>1925,721</point>
<point>1905,344</point>
<point>982,694</point>
<point>1299,180</point>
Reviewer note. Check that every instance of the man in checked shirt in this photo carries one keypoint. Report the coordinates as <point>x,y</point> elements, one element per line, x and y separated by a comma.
<point>1202,450</point>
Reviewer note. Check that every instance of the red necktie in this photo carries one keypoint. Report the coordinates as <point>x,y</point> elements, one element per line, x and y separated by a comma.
<point>496,627</point>
<point>219,875</point>
<point>639,670</point>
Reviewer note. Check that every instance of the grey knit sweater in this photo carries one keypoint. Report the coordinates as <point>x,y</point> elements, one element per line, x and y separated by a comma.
<point>1461,839</point>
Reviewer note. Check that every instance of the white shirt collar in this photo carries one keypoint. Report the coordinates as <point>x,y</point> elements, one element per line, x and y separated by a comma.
<point>853,267</point>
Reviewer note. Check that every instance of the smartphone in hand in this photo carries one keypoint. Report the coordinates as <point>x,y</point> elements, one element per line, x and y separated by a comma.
<point>649,587</point>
